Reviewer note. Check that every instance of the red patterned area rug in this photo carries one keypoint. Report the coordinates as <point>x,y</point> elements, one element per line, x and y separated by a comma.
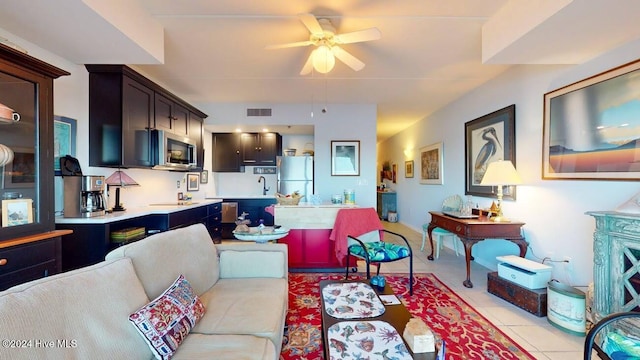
<point>467,334</point>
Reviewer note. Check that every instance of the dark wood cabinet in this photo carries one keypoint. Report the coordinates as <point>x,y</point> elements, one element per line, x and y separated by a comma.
<point>29,248</point>
<point>123,107</point>
<point>26,87</point>
<point>255,209</point>
<point>260,148</point>
<point>195,131</point>
<point>90,242</point>
<point>30,258</point>
<point>226,152</point>
<point>137,116</point>
<point>170,116</point>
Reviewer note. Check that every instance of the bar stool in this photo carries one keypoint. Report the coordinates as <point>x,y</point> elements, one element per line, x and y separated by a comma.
<point>438,235</point>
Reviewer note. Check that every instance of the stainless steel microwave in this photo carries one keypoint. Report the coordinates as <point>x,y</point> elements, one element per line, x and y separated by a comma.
<point>173,152</point>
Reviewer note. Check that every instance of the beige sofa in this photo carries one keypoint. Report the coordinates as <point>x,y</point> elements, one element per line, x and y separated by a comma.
<point>83,314</point>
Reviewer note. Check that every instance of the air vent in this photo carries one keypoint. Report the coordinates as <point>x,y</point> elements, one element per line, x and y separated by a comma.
<point>258,112</point>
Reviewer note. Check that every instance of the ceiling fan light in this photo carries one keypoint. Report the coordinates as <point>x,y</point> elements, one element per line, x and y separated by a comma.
<point>323,59</point>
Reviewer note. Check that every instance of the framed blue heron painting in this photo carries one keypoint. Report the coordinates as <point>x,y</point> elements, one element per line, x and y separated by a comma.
<point>487,139</point>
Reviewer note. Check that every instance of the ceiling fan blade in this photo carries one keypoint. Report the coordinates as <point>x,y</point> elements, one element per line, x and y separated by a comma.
<point>289,45</point>
<point>358,36</point>
<point>310,21</point>
<point>308,66</point>
<point>350,60</point>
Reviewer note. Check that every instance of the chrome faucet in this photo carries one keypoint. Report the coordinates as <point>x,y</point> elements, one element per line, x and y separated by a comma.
<point>264,185</point>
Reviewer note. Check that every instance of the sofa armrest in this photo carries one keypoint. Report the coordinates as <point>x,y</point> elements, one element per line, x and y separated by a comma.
<point>253,260</point>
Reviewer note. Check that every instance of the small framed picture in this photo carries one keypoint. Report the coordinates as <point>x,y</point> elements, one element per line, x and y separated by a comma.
<point>204,177</point>
<point>180,196</point>
<point>193,181</point>
<point>408,169</point>
<point>17,212</point>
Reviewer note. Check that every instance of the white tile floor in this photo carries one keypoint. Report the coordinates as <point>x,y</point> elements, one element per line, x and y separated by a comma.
<point>532,333</point>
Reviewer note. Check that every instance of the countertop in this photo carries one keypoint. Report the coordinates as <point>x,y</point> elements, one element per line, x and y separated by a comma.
<point>232,196</point>
<point>136,212</point>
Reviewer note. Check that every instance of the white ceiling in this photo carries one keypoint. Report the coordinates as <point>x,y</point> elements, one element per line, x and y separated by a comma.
<point>431,51</point>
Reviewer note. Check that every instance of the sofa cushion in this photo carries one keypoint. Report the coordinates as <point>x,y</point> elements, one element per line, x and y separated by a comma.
<point>233,264</point>
<point>226,347</point>
<point>168,319</point>
<point>81,314</point>
<point>251,306</point>
<point>159,259</point>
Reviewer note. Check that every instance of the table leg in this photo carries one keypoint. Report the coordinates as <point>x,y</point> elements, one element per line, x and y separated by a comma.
<point>429,231</point>
<point>467,257</point>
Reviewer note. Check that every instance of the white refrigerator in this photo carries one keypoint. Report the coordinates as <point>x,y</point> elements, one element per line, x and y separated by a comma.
<point>295,173</point>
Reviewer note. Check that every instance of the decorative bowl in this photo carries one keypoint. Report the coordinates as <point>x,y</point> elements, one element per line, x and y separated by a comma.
<point>258,236</point>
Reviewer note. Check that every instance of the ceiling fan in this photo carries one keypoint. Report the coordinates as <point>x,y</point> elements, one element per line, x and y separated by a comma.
<point>323,36</point>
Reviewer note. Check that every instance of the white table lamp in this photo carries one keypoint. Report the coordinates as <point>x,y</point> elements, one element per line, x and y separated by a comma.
<point>500,173</point>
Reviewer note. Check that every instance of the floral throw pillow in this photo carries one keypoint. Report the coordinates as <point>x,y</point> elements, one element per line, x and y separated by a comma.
<point>166,321</point>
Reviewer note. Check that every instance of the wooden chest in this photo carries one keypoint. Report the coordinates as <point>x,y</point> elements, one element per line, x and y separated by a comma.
<point>533,301</point>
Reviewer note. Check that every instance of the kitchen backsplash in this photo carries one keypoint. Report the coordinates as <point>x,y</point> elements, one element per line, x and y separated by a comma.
<point>244,183</point>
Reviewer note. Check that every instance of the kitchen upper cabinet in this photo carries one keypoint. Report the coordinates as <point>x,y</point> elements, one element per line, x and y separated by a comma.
<point>226,152</point>
<point>194,132</point>
<point>124,107</point>
<point>260,148</point>
<point>170,116</point>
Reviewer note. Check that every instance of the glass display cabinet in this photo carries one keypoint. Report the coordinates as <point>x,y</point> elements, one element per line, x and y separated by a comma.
<point>30,248</point>
<point>26,143</point>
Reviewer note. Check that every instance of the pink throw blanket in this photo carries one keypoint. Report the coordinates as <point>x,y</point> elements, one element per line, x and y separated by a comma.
<point>354,222</point>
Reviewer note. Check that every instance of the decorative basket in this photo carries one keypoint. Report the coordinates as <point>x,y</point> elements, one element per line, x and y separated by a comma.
<point>308,149</point>
<point>294,199</point>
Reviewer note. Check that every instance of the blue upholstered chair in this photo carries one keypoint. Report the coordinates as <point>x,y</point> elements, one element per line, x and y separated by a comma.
<point>370,248</point>
<point>611,343</point>
<point>451,203</point>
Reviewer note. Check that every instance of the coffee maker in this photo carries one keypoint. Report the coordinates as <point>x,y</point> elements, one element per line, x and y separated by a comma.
<point>84,196</point>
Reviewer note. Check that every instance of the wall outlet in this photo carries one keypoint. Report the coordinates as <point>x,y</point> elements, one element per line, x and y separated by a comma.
<point>178,184</point>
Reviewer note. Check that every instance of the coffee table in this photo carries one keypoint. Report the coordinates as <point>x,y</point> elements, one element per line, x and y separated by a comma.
<point>396,315</point>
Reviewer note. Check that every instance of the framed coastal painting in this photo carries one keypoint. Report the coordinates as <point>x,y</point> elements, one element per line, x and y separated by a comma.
<point>64,140</point>
<point>591,127</point>
<point>489,138</point>
<point>408,169</point>
<point>17,212</point>
<point>345,158</point>
<point>193,181</point>
<point>431,164</point>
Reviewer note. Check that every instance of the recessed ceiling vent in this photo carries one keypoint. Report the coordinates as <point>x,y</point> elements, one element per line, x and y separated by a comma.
<point>258,112</point>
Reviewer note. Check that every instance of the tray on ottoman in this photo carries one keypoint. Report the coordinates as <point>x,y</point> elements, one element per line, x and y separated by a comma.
<point>533,301</point>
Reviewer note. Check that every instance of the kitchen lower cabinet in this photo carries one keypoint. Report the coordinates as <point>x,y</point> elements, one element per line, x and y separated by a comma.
<point>255,211</point>
<point>91,241</point>
<point>311,249</point>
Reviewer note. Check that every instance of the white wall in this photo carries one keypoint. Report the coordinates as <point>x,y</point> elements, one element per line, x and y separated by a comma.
<point>553,210</point>
<point>340,122</point>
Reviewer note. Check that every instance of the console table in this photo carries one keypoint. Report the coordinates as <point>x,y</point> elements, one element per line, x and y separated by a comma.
<point>471,231</point>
